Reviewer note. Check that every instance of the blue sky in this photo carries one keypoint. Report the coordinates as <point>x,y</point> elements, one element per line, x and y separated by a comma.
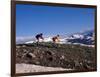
<point>50,20</point>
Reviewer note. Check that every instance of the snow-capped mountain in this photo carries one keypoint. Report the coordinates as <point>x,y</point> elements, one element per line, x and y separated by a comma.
<point>86,37</point>
<point>22,40</point>
<point>31,39</point>
<point>81,35</point>
<point>82,38</point>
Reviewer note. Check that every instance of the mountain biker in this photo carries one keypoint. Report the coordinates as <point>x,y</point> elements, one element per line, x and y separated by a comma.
<point>56,39</point>
<point>39,36</point>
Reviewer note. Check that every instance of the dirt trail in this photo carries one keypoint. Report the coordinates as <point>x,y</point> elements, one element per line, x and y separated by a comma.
<point>27,68</point>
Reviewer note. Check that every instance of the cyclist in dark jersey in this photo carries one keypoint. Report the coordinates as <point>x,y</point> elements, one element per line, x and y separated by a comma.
<point>39,36</point>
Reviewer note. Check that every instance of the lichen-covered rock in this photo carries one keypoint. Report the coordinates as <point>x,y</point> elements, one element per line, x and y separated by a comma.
<point>54,55</point>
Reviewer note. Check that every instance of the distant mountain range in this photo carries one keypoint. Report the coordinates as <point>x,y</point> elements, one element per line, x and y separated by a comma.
<point>86,37</point>
<point>82,38</point>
